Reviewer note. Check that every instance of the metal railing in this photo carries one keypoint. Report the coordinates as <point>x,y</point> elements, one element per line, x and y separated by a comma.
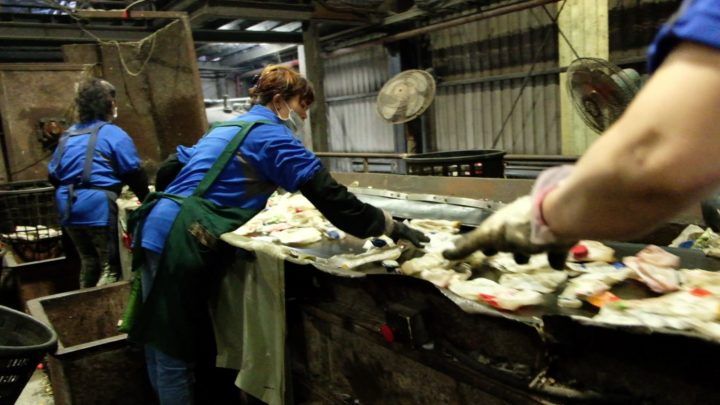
<point>365,157</point>
<point>516,166</point>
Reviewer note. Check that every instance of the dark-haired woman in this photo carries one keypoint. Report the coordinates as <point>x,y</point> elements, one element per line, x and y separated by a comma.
<point>227,178</point>
<point>92,161</point>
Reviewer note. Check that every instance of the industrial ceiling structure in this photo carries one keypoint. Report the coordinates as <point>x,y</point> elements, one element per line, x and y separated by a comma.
<point>230,36</point>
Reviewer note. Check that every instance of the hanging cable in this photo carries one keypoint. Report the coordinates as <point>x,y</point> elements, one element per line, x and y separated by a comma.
<point>562,34</point>
<point>30,165</point>
<point>137,44</point>
<point>527,77</point>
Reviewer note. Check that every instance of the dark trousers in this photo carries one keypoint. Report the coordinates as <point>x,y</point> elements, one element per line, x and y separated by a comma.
<point>97,247</point>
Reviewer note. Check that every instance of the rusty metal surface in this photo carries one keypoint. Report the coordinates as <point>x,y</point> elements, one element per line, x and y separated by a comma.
<point>161,107</point>
<point>85,316</point>
<point>42,278</point>
<point>339,352</point>
<point>81,53</point>
<point>29,93</point>
<point>94,363</point>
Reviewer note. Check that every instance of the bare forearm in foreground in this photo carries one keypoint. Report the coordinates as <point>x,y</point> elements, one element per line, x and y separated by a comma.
<point>662,156</point>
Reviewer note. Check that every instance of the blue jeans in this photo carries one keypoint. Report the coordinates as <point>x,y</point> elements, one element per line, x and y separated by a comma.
<point>172,379</point>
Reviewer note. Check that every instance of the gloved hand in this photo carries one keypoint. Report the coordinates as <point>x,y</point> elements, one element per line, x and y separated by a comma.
<point>402,231</point>
<point>519,227</point>
<point>711,212</point>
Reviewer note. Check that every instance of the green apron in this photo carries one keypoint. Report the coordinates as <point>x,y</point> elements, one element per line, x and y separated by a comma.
<point>175,315</point>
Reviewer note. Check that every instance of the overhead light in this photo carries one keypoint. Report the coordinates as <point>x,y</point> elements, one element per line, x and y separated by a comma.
<point>215,59</point>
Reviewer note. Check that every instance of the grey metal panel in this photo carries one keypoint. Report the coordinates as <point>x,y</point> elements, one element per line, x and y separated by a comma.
<point>355,73</point>
<point>351,85</point>
<point>471,115</point>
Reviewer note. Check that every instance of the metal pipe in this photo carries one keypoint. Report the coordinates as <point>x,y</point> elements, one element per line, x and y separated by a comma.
<point>368,155</point>
<point>502,10</point>
<point>251,73</point>
<point>542,158</point>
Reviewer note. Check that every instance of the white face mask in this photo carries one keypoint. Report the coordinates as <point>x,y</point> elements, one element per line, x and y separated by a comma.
<point>293,121</point>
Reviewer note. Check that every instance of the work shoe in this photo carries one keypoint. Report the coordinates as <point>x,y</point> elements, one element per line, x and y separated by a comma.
<point>107,277</point>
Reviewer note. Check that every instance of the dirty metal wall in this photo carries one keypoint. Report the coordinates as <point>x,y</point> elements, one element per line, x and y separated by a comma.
<point>162,106</point>
<point>29,93</point>
<point>482,68</point>
<point>351,85</point>
<point>633,25</point>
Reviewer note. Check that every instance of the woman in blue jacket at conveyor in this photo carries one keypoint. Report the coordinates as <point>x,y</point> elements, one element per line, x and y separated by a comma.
<point>226,178</point>
<point>92,161</point>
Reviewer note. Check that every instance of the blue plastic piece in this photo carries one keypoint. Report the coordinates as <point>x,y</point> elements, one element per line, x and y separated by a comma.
<point>687,244</point>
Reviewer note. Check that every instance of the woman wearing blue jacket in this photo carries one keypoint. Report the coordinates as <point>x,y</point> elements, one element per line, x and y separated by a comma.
<point>227,178</point>
<point>92,161</point>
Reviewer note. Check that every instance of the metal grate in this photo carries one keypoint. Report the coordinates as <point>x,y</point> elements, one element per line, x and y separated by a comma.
<point>29,222</point>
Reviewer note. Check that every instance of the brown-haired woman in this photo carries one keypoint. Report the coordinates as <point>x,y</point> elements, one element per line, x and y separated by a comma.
<point>226,179</point>
<point>92,161</point>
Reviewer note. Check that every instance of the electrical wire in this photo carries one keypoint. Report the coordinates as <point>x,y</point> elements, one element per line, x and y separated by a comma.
<point>562,34</point>
<point>528,76</point>
<point>31,164</point>
<point>138,44</point>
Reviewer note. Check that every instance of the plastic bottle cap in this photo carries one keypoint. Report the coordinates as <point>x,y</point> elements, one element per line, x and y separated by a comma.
<point>378,243</point>
<point>387,333</point>
<point>579,251</point>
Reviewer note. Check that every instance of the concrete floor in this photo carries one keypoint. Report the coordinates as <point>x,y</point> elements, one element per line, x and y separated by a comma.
<point>37,391</point>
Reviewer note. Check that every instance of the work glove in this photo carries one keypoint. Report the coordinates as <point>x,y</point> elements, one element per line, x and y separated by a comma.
<point>402,231</point>
<point>711,212</point>
<point>519,227</point>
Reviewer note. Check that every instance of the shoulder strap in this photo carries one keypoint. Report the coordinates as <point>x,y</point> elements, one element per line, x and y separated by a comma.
<point>62,143</point>
<point>89,152</point>
<point>228,153</point>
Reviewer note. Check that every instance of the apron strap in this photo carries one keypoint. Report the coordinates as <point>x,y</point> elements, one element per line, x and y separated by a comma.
<point>87,166</point>
<point>89,153</point>
<point>227,154</point>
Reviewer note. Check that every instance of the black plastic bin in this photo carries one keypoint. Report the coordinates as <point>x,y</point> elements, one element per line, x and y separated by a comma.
<point>463,163</point>
<point>24,341</point>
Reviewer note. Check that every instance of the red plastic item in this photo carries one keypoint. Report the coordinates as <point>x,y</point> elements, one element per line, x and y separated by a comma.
<point>700,292</point>
<point>490,299</point>
<point>579,251</point>
<point>387,333</point>
<point>127,240</point>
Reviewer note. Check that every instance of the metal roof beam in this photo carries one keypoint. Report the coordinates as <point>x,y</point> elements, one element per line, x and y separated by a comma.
<point>268,37</point>
<point>39,33</point>
<point>259,52</point>
<point>15,54</point>
<point>211,10</point>
<point>66,33</point>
